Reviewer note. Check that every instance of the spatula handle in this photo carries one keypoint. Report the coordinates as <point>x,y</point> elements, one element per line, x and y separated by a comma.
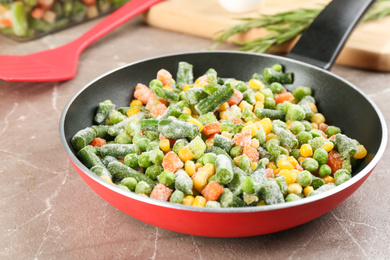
<point>112,21</point>
<point>322,42</point>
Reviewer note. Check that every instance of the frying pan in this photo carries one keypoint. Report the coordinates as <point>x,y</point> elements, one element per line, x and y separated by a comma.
<point>342,103</point>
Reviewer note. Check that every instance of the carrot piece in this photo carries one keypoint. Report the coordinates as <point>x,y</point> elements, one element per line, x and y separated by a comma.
<point>161,192</point>
<point>280,98</point>
<point>269,173</point>
<point>202,79</point>
<point>98,142</point>
<point>212,129</point>
<point>89,2</point>
<point>165,77</point>
<point>236,121</point>
<point>251,152</point>
<point>335,161</point>
<point>37,13</point>
<point>172,162</point>
<point>142,93</point>
<point>212,191</point>
<point>158,109</point>
<point>322,126</point>
<point>236,98</point>
<point>243,139</point>
<point>6,22</point>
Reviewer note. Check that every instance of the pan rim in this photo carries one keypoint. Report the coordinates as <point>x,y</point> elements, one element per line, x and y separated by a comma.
<point>153,202</point>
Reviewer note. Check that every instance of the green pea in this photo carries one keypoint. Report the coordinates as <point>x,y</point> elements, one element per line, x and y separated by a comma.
<point>143,143</point>
<point>123,138</point>
<point>238,128</point>
<point>130,183</point>
<point>321,156</point>
<point>332,130</point>
<point>292,197</point>
<point>209,158</point>
<point>179,144</point>
<point>167,178</point>
<point>153,145</point>
<point>151,135</point>
<point>277,67</point>
<point>123,187</point>
<point>143,187</point>
<point>297,127</point>
<point>317,182</point>
<point>315,133</point>
<point>236,151</point>
<point>212,204</point>
<point>156,83</point>
<point>241,86</point>
<point>144,160</point>
<point>269,103</point>
<point>296,153</point>
<point>267,92</point>
<point>276,87</point>
<point>304,137</point>
<point>116,117</point>
<point>305,178</point>
<point>307,125</point>
<point>261,136</point>
<point>341,176</point>
<point>131,160</point>
<point>244,163</point>
<point>324,170</point>
<point>317,142</point>
<point>153,171</point>
<point>226,125</point>
<point>278,123</point>
<point>177,197</point>
<point>137,137</point>
<point>310,164</point>
<point>301,92</point>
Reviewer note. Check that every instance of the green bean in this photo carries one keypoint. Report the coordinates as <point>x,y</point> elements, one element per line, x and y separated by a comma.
<point>322,189</point>
<point>244,163</point>
<point>223,142</point>
<point>19,23</point>
<point>120,171</point>
<point>272,147</point>
<point>276,87</point>
<point>346,146</point>
<point>83,137</point>
<point>101,131</point>
<point>281,181</point>
<point>183,182</point>
<point>271,75</point>
<point>215,100</point>
<point>236,151</point>
<point>209,158</point>
<point>87,155</point>
<point>103,111</point>
<point>118,150</point>
<point>228,199</point>
<point>101,171</point>
<point>286,138</point>
<point>176,129</point>
<point>271,192</point>
<point>184,74</point>
<point>226,125</point>
<point>235,184</point>
<point>213,204</point>
<point>270,113</point>
<point>249,96</point>
<point>194,95</point>
<point>149,124</point>
<point>197,147</point>
<point>301,92</point>
<point>223,169</point>
<point>207,118</point>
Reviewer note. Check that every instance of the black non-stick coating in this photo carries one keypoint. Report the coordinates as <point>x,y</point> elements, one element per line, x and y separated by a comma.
<point>342,104</point>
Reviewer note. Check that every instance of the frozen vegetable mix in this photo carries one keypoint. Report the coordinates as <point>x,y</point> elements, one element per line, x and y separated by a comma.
<point>211,141</point>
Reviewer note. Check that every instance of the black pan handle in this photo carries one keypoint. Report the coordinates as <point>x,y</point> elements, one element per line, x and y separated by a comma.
<point>321,43</point>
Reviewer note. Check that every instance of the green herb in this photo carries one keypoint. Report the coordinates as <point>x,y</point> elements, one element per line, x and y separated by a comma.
<point>285,26</point>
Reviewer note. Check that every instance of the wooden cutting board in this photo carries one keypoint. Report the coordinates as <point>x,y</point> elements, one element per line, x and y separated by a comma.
<point>368,47</point>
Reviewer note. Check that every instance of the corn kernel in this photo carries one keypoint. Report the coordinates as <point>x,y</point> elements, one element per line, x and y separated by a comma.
<point>136,103</point>
<point>255,84</point>
<point>235,160</point>
<point>272,165</point>
<point>165,145</point>
<point>258,104</point>
<point>223,115</point>
<point>255,143</point>
<point>167,88</point>
<point>328,146</point>
<point>252,128</point>
<point>292,160</point>
<point>197,166</point>
<point>259,97</point>
<point>306,150</point>
<point>261,203</point>
<point>244,104</point>
<point>329,179</point>
<point>276,171</point>
<point>295,188</point>
<point>267,125</point>
<point>186,110</point>
<point>288,123</point>
<point>314,125</point>
<point>227,134</point>
<point>202,175</point>
<point>318,118</point>
<point>106,178</point>
<point>185,154</point>
<point>361,152</point>
<point>285,164</point>
<point>186,87</point>
<point>270,136</point>
<point>196,122</point>
<point>188,200</point>
<point>289,175</point>
<point>189,167</point>
<point>313,107</point>
<point>254,165</point>
<point>133,111</point>
<point>209,142</point>
<point>223,107</point>
<point>307,190</point>
<point>199,201</point>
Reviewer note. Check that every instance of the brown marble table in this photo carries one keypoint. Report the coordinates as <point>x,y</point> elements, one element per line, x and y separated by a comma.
<point>48,212</point>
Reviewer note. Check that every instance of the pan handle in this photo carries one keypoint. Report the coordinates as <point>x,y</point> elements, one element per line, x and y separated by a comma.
<point>321,43</point>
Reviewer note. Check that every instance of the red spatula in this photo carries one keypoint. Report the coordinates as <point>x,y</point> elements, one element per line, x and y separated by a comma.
<point>61,63</point>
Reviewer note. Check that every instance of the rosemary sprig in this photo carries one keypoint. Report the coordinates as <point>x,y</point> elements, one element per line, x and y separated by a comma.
<point>285,26</point>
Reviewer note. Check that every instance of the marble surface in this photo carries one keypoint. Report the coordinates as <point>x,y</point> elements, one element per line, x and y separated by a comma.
<point>48,212</point>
